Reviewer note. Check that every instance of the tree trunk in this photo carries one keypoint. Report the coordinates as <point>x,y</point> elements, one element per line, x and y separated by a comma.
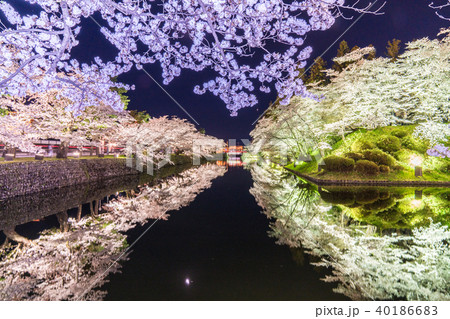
<point>80,209</point>
<point>9,150</point>
<point>14,236</point>
<point>63,149</point>
<point>97,204</point>
<point>63,220</point>
<point>94,208</point>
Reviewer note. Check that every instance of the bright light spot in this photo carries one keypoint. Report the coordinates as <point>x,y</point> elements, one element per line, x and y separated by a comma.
<point>324,209</point>
<point>416,203</point>
<point>187,281</point>
<point>415,160</point>
<point>76,154</point>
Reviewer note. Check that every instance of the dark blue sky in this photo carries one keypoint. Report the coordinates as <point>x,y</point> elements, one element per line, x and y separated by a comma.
<point>403,19</point>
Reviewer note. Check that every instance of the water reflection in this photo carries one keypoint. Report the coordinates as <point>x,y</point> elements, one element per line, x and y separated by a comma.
<point>381,243</point>
<point>71,262</point>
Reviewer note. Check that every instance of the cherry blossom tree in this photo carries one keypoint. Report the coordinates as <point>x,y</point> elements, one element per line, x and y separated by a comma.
<point>439,6</point>
<point>44,115</point>
<point>159,137</point>
<point>229,37</point>
<point>370,94</point>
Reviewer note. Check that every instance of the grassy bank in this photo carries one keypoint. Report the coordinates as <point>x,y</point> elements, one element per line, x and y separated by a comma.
<point>385,154</point>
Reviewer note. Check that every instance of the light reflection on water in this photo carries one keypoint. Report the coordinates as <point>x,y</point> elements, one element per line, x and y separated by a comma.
<point>382,243</point>
<point>68,261</point>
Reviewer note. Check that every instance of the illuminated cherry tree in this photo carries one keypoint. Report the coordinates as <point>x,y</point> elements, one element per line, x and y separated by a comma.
<point>370,94</point>
<point>439,6</point>
<point>229,37</point>
<point>155,140</point>
<point>44,116</point>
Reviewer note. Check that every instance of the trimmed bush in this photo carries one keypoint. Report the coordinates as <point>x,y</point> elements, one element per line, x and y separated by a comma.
<point>361,145</point>
<point>380,205</point>
<point>400,132</point>
<point>354,156</point>
<point>367,167</point>
<point>389,144</point>
<point>367,197</point>
<point>379,157</point>
<point>338,198</point>
<point>335,163</point>
<point>411,143</point>
<point>385,169</point>
<point>385,195</point>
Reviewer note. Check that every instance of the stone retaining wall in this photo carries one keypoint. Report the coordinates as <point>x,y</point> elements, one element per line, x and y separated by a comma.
<point>23,178</point>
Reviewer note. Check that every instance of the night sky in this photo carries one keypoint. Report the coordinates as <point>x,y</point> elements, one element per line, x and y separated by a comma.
<point>403,19</point>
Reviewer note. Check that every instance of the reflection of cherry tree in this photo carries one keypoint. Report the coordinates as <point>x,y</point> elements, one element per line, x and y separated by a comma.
<point>366,266</point>
<point>69,265</point>
<point>153,202</point>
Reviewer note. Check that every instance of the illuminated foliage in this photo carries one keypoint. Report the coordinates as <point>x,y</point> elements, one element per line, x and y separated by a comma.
<point>224,36</point>
<point>342,230</point>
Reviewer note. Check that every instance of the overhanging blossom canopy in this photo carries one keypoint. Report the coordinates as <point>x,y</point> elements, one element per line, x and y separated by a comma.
<point>229,37</point>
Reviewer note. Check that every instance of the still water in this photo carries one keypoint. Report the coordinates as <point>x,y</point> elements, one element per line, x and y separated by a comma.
<point>225,233</point>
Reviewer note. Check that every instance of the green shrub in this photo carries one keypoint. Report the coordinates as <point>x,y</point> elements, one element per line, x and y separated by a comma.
<point>379,157</point>
<point>367,196</point>
<point>414,144</point>
<point>400,132</point>
<point>338,198</point>
<point>335,163</point>
<point>389,144</point>
<point>384,194</point>
<point>361,145</point>
<point>354,156</point>
<point>380,205</point>
<point>367,167</point>
<point>385,169</point>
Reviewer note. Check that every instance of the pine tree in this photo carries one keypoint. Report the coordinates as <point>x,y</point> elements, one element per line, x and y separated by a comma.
<point>393,49</point>
<point>302,74</point>
<point>342,50</point>
<point>316,73</point>
<point>373,55</point>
